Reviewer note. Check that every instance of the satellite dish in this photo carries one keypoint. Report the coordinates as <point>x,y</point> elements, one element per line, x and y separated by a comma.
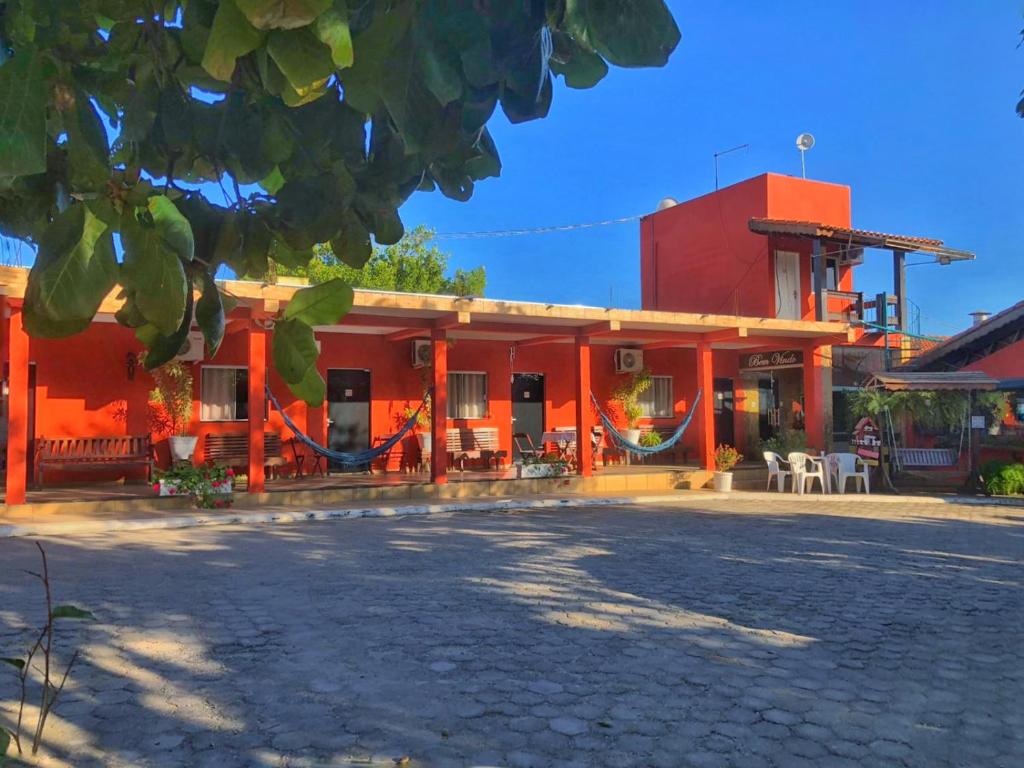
<point>804,142</point>
<point>667,202</point>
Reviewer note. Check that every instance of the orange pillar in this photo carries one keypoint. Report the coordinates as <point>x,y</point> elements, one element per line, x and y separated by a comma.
<point>439,408</point>
<point>706,408</point>
<point>814,397</point>
<point>257,400</point>
<point>584,450</point>
<point>17,408</point>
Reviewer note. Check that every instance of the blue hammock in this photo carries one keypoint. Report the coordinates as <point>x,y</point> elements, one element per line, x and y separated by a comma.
<point>342,457</point>
<point>647,450</point>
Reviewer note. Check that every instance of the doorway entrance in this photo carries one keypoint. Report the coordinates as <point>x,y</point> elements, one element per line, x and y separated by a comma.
<point>787,285</point>
<point>725,412</point>
<point>527,407</point>
<point>348,413</point>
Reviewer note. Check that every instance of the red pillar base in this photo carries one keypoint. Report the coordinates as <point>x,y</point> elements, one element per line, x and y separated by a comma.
<point>439,409</point>
<point>706,407</point>
<point>584,449</point>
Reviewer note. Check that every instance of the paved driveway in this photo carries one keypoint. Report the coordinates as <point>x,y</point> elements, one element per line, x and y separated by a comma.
<point>732,635</point>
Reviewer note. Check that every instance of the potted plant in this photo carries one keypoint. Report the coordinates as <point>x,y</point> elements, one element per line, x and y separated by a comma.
<point>726,457</point>
<point>422,426</point>
<point>208,486</point>
<point>173,394</point>
<point>626,396</point>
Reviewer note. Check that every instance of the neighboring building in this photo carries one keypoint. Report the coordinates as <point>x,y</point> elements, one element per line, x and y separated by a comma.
<point>490,362</point>
<point>782,247</point>
<point>993,345</point>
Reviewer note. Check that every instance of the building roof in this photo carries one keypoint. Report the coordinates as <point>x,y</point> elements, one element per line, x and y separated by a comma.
<point>857,238</point>
<point>977,342</point>
<point>903,381</point>
<point>413,315</point>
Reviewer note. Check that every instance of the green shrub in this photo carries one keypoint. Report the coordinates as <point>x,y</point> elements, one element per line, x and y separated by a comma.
<point>650,439</point>
<point>786,442</point>
<point>1003,478</point>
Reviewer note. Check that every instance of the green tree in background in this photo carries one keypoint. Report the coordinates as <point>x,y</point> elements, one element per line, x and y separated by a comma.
<point>205,133</point>
<point>412,265</point>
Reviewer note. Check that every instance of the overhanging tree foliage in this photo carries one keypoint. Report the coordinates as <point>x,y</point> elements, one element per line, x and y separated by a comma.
<point>316,118</point>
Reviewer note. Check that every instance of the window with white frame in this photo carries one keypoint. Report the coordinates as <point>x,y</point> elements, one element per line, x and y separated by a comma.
<point>467,395</point>
<point>224,394</point>
<point>657,402</point>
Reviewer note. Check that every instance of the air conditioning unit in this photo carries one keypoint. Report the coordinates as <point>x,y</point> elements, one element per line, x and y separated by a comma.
<point>422,354</point>
<point>192,350</point>
<point>629,360</point>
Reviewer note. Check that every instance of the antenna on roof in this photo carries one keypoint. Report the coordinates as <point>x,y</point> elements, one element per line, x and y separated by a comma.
<point>726,152</point>
<point>804,142</point>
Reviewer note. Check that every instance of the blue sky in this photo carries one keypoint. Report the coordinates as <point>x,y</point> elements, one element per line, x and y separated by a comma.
<point>911,104</point>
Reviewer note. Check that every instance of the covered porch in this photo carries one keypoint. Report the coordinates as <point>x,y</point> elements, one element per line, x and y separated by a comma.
<point>571,347</point>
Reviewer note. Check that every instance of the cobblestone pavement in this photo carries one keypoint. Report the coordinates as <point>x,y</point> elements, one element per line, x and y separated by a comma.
<point>706,634</point>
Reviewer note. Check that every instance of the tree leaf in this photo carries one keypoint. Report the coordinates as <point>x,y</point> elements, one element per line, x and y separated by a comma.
<point>387,226</point>
<point>353,245</point>
<point>311,389</point>
<point>155,275</point>
<point>71,612</point>
<point>631,33</point>
<point>580,66</point>
<point>304,60</point>
<point>5,744</point>
<point>282,14</point>
<point>172,226</point>
<point>17,664</point>
<point>210,315</point>
<point>74,270</point>
<point>24,91</point>
<point>294,349</point>
<point>331,29</point>
<point>162,349</point>
<point>231,37</point>
<point>88,151</point>
<point>292,258</point>
<point>323,304</point>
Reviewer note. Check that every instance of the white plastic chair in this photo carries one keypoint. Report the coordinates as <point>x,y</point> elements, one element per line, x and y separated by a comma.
<point>806,468</point>
<point>843,466</point>
<point>775,470</point>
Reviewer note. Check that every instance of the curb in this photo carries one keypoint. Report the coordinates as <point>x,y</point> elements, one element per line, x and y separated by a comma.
<point>298,516</point>
<point>408,510</point>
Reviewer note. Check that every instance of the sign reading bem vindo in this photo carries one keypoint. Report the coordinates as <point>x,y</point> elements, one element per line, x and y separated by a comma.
<point>772,361</point>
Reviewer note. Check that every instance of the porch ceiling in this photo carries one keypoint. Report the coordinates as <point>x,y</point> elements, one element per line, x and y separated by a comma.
<point>405,316</point>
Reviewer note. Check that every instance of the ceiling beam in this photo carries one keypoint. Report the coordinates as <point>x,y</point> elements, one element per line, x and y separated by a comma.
<point>729,334</point>
<point>538,340</point>
<point>603,328</point>
<point>445,322</point>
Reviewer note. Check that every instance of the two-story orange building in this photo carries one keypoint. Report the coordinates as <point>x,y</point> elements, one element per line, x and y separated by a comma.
<point>784,248</point>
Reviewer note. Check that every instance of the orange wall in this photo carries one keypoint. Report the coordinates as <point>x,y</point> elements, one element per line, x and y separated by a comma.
<point>83,387</point>
<point>1006,363</point>
<point>700,255</point>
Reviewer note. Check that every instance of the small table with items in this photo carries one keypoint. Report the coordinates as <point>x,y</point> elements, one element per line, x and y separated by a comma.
<point>565,442</point>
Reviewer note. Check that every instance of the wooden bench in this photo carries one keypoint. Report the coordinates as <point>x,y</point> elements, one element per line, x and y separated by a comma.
<point>74,453</point>
<point>480,443</point>
<point>928,458</point>
<point>232,450</point>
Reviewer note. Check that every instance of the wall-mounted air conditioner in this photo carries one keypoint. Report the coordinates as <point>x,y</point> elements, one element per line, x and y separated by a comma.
<point>192,350</point>
<point>629,360</point>
<point>422,354</point>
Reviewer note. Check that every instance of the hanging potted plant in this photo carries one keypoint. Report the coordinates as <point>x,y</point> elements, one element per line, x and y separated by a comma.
<point>626,396</point>
<point>173,395</point>
<point>726,457</point>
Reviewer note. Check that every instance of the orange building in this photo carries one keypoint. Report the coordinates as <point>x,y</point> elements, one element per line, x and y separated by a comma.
<point>489,362</point>
<point>784,248</point>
